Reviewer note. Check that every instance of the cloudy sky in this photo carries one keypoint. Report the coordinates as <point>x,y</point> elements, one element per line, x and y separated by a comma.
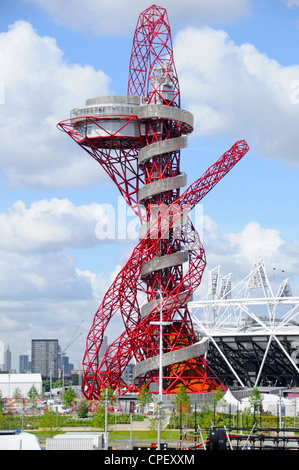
<point>238,67</point>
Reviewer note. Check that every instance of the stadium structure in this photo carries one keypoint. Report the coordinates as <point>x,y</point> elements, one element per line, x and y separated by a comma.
<point>253,332</point>
<point>137,140</point>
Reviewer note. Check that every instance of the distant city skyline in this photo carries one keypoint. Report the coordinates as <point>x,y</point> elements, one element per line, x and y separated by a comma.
<point>242,83</point>
<point>24,361</point>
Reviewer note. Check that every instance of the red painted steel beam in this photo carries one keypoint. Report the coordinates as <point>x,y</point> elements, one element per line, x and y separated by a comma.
<point>155,267</point>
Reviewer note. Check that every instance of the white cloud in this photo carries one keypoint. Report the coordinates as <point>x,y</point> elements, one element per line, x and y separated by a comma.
<point>116,17</point>
<point>50,276</point>
<point>256,242</point>
<point>45,295</point>
<point>34,262</point>
<point>50,225</point>
<point>232,90</point>
<point>40,88</point>
<point>292,3</point>
<point>237,92</point>
<point>237,251</point>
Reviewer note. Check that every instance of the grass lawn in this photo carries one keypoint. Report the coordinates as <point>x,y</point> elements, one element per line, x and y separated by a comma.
<point>144,435</point>
<point>141,435</point>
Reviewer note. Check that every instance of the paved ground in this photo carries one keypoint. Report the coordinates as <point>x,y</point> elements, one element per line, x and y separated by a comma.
<point>136,426</point>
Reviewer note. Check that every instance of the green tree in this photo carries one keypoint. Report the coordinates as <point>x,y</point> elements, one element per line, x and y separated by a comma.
<point>32,395</point>
<point>46,385</point>
<point>145,396</point>
<point>206,415</point>
<point>68,397</point>
<point>98,419</point>
<point>216,401</point>
<point>50,421</point>
<point>256,402</point>
<point>218,396</point>
<point>17,393</point>
<point>256,398</point>
<point>182,400</point>
<point>58,383</point>
<point>109,393</point>
<point>154,420</point>
<point>83,408</point>
<point>2,402</point>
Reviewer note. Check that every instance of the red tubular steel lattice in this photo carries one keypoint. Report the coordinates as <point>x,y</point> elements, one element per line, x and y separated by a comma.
<point>137,140</point>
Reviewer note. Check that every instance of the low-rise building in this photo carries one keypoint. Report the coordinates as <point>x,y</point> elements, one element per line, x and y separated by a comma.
<point>12,384</point>
<point>17,440</point>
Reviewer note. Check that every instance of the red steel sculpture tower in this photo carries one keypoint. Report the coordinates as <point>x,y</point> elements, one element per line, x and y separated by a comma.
<point>137,139</point>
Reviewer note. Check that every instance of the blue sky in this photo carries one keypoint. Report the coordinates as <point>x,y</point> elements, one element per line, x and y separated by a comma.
<point>238,65</point>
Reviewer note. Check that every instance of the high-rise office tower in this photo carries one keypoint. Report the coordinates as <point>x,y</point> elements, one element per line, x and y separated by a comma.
<point>7,359</point>
<point>44,357</point>
<point>24,364</point>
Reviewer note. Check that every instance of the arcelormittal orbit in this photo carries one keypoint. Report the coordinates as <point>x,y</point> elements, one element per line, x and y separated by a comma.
<point>137,139</point>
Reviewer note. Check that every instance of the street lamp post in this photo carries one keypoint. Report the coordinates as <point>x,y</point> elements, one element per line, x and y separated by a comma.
<point>161,323</point>
<point>106,419</point>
